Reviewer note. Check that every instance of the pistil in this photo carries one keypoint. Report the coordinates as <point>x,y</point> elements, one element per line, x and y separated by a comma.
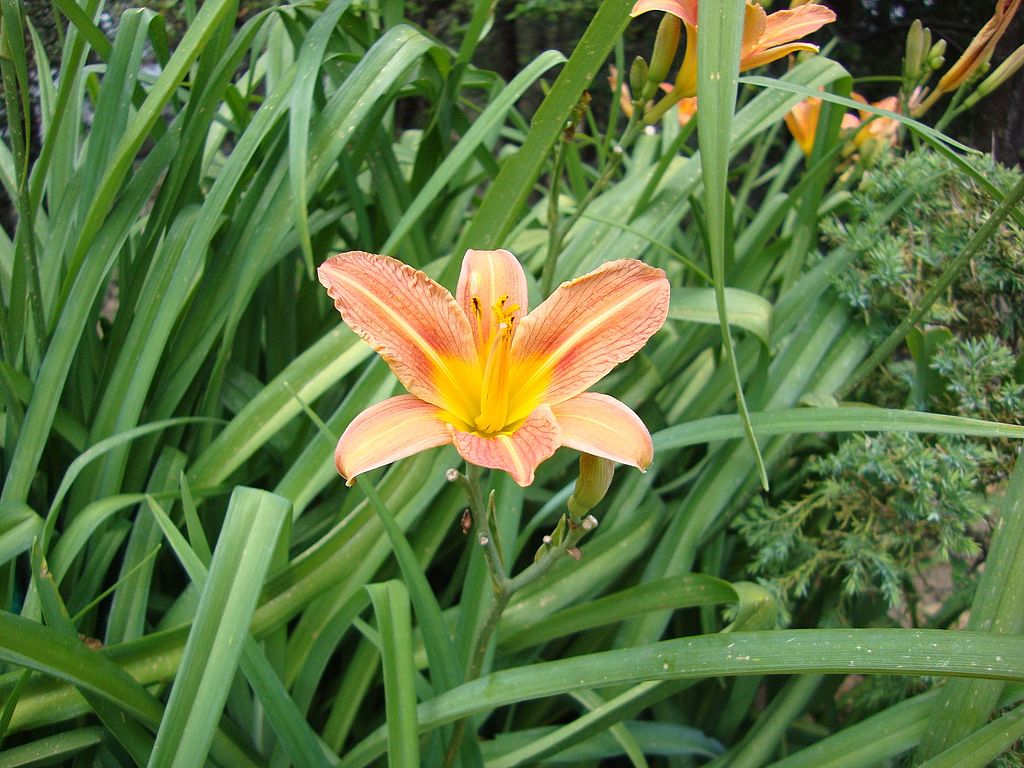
<point>494,391</point>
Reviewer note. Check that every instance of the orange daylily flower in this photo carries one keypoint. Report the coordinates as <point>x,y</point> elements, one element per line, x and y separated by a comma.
<point>766,37</point>
<point>981,47</point>
<point>802,121</point>
<point>507,388</point>
<point>880,129</point>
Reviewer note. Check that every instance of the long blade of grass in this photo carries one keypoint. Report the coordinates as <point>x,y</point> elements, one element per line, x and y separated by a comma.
<point>307,70</point>
<point>295,734</point>
<point>998,607</point>
<point>504,201</point>
<point>485,124</point>
<point>391,606</point>
<point>718,56</point>
<point>837,419</point>
<point>835,651</point>
<point>239,566</point>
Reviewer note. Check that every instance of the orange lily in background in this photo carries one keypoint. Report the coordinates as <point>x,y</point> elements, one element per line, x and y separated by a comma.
<point>880,129</point>
<point>685,109</point>
<point>802,121</point>
<point>507,388</point>
<point>766,37</point>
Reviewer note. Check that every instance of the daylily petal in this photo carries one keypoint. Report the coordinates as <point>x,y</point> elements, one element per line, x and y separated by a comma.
<point>682,9</point>
<point>981,47</point>
<point>584,329</point>
<point>389,431</point>
<point>603,426</point>
<point>802,121</point>
<point>488,277</point>
<point>518,453</point>
<point>761,58</point>
<point>784,26</point>
<point>755,20</point>
<point>411,321</point>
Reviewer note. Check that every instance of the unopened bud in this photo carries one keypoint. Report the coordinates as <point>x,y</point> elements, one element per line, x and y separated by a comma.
<point>937,56</point>
<point>589,523</point>
<point>638,75</point>
<point>665,46</point>
<point>484,541</point>
<point>914,55</point>
<point>591,486</point>
<point>575,553</point>
<point>451,475</point>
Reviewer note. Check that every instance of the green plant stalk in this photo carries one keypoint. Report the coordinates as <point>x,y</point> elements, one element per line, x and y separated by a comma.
<point>557,234</point>
<point>504,586</point>
<point>894,339</point>
<point>547,274</point>
<point>504,201</point>
<point>15,99</point>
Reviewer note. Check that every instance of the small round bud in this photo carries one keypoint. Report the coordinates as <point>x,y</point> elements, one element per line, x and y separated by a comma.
<point>484,541</point>
<point>451,475</point>
<point>589,523</point>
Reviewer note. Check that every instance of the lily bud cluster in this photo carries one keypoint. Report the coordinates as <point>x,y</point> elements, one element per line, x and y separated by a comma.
<point>966,78</point>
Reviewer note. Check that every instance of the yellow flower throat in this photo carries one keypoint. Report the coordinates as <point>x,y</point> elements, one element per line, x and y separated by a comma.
<point>496,359</point>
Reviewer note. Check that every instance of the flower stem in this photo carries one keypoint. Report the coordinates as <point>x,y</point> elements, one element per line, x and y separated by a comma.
<point>504,587</point>
<point>556,233</point>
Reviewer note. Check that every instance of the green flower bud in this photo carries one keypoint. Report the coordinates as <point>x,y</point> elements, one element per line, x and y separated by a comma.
<point>595,477</point>
<point>665,46</point>
<point>914,56</point>
<point>638,75</point>
<point>936,55</point>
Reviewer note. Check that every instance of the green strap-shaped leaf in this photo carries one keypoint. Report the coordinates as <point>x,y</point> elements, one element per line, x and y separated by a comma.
<point>294,732</point>
<point>964,706</point>
<point>826,651</point>
<point>504,201</point>
<point>239,567</point>
<point>718,56</point>
<point>391,606</point>
<point>482,126</point>
<point>307,71</point>
<point>835,419</point>
<point>746,310</point>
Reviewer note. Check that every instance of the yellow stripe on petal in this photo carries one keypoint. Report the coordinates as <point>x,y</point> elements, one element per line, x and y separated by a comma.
<point>602,426</point>
<point>490,279</point>
<point>411,321</point>
<point>520,452</point>
<point>389,431</point>
<point>585,328</point>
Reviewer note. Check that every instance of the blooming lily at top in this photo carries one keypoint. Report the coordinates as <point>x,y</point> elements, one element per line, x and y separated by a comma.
<point>507,388</point>
<point>766,37</point>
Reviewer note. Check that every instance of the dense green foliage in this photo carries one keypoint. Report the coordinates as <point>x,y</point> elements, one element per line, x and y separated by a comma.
<point>184,578</point>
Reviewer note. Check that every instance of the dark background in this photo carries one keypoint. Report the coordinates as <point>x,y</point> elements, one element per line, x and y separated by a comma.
<point>870,38</point>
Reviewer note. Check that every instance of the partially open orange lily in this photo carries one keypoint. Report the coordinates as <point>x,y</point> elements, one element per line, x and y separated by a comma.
<point>506,387</point>
<point>766,37</point>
